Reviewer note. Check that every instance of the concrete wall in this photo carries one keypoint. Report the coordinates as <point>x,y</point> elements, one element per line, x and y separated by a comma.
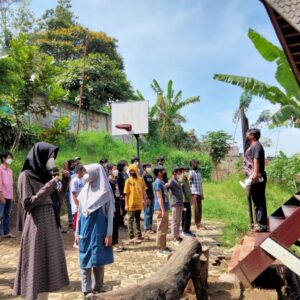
<point>91,120</point>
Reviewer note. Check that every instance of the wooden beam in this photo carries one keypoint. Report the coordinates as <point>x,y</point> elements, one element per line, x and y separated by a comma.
<point>285,46</point>
<point>282,253</point>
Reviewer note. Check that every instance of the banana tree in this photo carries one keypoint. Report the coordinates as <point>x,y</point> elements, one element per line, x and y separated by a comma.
<point>288,97</point>
<point>167,108</point>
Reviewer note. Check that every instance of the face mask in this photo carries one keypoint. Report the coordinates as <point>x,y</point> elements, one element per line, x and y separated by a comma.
<point>136,163</point>
<point>86,177</point>
<point>186,174</point>
<point>195,168</point>
<point>179,177</point>
<point>132,174</point>
<point>115,173</point>
<point>148,170</point>
<point>50,163</point>
<point>9,161</point>
<point>104,165</point>
<point>125,169</point>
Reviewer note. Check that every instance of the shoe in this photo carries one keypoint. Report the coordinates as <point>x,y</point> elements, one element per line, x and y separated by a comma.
<point>135,241</point>
<point>118,248</point>
<point>188,234</point>
<point>88,295</point>
<point>164,252</point>
<point>9,235</point>
<point>176,242</point>
<point>104,289</point>
<point>75,246</point>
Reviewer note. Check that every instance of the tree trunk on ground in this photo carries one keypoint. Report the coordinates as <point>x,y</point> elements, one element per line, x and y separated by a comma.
<point>170,281</point>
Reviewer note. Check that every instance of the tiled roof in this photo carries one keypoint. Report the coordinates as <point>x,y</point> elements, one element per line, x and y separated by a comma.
<point>289,10</point>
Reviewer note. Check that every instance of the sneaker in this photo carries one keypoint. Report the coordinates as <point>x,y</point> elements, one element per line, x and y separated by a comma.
<point>135,241</point>
<point>9,235</point>
<point>164,252</point>
<point>118,248</point>
<point>188,234</point>
<point>88,295</point>
<point>75,246</point>
<point>176,242</point>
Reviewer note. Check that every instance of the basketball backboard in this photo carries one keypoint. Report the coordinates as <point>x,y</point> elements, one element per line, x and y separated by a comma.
<point>131,113</point>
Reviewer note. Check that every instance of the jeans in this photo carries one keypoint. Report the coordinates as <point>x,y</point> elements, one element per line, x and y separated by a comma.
<point>92,279</point>
<point>134,215</point>
<point>116,222</point>
<point>68,200</point>
<point>197,203</point>
<point>6,216</point>
<point>148,215</point>
<point>257,193</point>
<point>176,220</point>
<point>1,217</point>
<point>186,217</point>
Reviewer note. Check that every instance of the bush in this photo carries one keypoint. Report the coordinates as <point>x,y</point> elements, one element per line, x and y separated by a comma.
<point>283,169</point>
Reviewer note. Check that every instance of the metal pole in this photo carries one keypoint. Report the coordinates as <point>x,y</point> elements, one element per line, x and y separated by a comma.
<point>137,136</point>
<point>82,83</point>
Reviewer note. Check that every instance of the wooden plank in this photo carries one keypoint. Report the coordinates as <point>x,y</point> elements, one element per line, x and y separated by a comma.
<point>283,254</point>
<point>274,222</point>
<point>248,246</point>
<point>235,257</point>
<point>288,210</point>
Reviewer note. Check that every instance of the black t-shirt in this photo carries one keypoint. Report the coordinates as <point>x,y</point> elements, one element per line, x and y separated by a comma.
<point>149,182</point>
<point>259,153</point>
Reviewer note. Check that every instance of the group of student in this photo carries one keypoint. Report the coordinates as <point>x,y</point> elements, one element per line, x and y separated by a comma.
<point>99,195</point>
<point>136,190</point>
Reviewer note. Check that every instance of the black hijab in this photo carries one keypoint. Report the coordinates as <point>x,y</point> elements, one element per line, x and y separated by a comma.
<point>36,160</point>
<point>35,168</point>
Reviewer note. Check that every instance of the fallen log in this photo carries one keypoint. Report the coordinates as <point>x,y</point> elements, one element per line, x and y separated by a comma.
<point>170,281</point>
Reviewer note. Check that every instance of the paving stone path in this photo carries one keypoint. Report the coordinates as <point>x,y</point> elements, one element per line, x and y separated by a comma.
<point>136,263</point>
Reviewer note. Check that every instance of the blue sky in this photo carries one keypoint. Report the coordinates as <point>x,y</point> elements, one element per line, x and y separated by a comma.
<point>188,41</point>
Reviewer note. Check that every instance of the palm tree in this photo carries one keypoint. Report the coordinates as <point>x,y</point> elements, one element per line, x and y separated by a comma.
<point>167,108</point>
<point>288,98</point>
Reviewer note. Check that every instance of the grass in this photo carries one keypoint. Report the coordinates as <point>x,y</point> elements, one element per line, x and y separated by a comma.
<point>224,201</point>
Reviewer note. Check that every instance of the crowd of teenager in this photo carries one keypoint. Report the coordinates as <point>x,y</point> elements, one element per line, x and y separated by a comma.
<point>102,199</point>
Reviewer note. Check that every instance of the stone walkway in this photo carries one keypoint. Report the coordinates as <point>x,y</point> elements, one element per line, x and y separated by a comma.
<point>138,262</point>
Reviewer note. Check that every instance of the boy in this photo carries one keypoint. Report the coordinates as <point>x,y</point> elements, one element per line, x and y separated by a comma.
<point>176,201</point>
<point>187,197</point>
<point>135,200</point>
<point>6,194</point>
<point>77,183</point>
<point>148,212</point>
<point>161,206</point>
<point>195,179</point>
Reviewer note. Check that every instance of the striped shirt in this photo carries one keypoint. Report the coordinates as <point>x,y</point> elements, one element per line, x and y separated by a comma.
<point>196,182</point>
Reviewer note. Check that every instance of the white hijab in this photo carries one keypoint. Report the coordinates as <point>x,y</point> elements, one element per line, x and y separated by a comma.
<point>96,192</point>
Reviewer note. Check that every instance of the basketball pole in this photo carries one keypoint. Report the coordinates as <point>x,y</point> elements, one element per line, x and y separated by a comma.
<point>137,137</point>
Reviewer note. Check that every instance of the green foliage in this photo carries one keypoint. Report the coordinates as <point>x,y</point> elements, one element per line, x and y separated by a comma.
<point>217,144</point>
<point>226,201</point>
<point>289,112</point>
<point>26,74</point>
<point>103,81</point>
<point>282,170</point>
<point>58,132</point>
<point>59,17</point>
<point>167,110</point>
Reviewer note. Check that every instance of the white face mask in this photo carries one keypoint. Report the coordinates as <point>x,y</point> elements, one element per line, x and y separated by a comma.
<point>104,165</point>
<point>50,163</point>
<point>179,177</point>
<point>148,170</point>
<point>136,163</point>
<point>8,161</point>
<point>86,177</point>
<point>125,169</point>
<point>115,173</point>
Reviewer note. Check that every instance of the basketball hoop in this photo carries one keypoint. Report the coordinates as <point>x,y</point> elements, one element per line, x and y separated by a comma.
<point>126,127</point>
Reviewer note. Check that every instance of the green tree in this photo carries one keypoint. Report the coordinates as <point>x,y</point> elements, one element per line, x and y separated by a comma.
<point>217,144</point>
<point>167,109</point>
<point>27,75</point>
<point>289,99</point>
<point>59,17</point>
<point>103,82</point>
